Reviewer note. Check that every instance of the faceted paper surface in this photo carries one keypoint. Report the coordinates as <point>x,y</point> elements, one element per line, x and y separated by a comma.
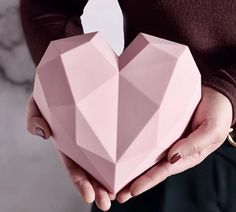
<point>116,116</point>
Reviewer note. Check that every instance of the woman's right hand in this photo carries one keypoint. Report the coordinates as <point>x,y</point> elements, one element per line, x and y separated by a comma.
<point>89,188</point>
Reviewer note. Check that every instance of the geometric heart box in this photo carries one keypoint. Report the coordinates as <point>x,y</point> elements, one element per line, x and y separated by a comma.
<point>116,116</point>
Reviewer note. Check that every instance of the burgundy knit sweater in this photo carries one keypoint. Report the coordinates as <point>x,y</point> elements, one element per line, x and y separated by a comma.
<point>208,27</point>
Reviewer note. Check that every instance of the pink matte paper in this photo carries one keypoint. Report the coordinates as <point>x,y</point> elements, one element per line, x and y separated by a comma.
<point>116,116</point>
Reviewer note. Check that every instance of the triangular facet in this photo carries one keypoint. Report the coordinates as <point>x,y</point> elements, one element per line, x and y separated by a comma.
<point>66,44</point>
<point>128,169</point>
<point>105,50</point>
<point>181,89</point>
<point>65,116</point>
<point>146,139</point>
<point>40,99</point>
<point>173,50</point>
<point>50,54</point>
<point>105,168</point>
<point>85,74</point>
<point>152,79</point>
<point>100,109</point>
<point>134,111</point>
<point>150,55</point>
<point>64,143</point>
<point>55,84</point>
<point>86,138</point>
<point>156,40</point>
<point>132,51</point>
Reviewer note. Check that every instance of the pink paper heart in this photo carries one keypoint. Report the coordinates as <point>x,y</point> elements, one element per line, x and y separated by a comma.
<point>116,116</point>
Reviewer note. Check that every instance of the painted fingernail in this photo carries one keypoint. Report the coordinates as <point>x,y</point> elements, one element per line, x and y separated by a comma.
<point>175,158</point>
<point>40,132</point>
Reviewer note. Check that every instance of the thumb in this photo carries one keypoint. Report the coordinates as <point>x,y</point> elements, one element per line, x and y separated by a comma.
<point>206,137</point>
<point>36,124</point>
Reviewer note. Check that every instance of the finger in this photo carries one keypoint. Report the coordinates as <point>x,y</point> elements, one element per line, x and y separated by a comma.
<point>102,198</point>
<point>150,178</point>
<point>36,124</point>
<point>196,143</point>
<point>112,196</point>
<point>162,170</point>
<point>124,195</point>
<point>79,178</point>
<point>188,152</point>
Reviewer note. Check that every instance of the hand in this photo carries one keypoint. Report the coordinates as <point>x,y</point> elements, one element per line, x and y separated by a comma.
<point>208,129</point>
<point>88,187</point>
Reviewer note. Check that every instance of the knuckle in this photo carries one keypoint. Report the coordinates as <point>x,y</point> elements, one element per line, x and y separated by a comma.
<point>150,178</point>
<point>218,134</point>
<point>209,124</point>
<point>195,150</point>
<point>216,130</point>
<point>78,181</point>
<point>75,179</point>
<point>167,170</point>
<point>29,128</point>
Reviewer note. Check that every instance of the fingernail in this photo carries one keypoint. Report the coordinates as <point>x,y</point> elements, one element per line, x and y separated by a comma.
<point>112,197</point>
<point>40,132</point>
<point>175,158</point>
<point>124,199</point>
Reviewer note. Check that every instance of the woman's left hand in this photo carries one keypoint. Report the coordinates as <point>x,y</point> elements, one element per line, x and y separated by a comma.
<point>209,128</point>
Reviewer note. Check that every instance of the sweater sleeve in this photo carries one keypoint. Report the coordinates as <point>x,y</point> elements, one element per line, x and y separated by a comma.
<point>47,20</point>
